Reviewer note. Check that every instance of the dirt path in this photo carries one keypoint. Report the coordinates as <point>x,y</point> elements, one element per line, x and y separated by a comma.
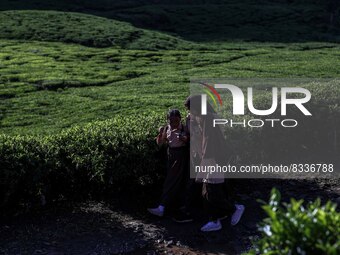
<point>123,226</point>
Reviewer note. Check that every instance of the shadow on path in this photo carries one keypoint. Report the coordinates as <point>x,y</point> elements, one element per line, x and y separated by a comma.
<point>122,225</point>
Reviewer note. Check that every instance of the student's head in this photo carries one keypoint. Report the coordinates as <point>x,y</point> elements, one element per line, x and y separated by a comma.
<point>174,118</point>
<point>193,104</point>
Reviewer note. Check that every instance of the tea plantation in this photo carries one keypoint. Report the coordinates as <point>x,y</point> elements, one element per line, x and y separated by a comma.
<point>62,70</point>
<point>84,87</point>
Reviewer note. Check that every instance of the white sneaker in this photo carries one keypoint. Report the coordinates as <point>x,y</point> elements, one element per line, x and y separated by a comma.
<point>156,211</point>
<point>235,218</point>
<point>212,226</point>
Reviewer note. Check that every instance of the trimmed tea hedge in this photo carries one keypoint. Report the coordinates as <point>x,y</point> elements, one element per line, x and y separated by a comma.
<point>298,229</point>
<point>100,156</point>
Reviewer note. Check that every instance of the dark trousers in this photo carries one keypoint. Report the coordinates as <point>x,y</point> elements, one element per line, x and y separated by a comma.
<point>193,190</point>
<point>217,202</point>
<point>175,181</point>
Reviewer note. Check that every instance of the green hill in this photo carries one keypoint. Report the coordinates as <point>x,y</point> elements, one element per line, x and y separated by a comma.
<point>51,79</point>
<point>47,86</point>
<point>82,29</point>
<point>212,20</point>
<point>230,20</point>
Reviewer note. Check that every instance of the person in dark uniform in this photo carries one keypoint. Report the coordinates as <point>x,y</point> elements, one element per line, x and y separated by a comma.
<point>175,137</point>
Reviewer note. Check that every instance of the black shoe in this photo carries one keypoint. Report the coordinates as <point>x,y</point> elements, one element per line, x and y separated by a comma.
<point>182,217</point>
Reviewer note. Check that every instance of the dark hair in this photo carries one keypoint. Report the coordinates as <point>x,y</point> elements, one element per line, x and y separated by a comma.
<point>174,113</point>
<point>187,102</point>
<point>195,101</point>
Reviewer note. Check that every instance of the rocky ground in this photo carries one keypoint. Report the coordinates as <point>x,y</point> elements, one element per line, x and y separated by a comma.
<point>122,225</point>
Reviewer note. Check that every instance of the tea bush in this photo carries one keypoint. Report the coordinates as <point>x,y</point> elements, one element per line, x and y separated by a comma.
<point>84,29</point>
<point>295,228</point>
<point>105,155</point>
<point>98,157</point>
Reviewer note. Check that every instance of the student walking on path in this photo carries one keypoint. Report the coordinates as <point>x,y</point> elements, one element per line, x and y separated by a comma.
<point>211,148</point>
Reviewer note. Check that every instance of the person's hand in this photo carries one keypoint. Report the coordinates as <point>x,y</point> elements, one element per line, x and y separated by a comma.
<point>161,137</point>
<point>163,134</point>
<point>183,138</point>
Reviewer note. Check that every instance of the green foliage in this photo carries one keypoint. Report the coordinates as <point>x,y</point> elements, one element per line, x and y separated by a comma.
<point>296,228</point>
<point>45,87</point>
<point>82,29</point>
<point>99,157</point>
<point>71,84</point>
<point>212,21</point>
